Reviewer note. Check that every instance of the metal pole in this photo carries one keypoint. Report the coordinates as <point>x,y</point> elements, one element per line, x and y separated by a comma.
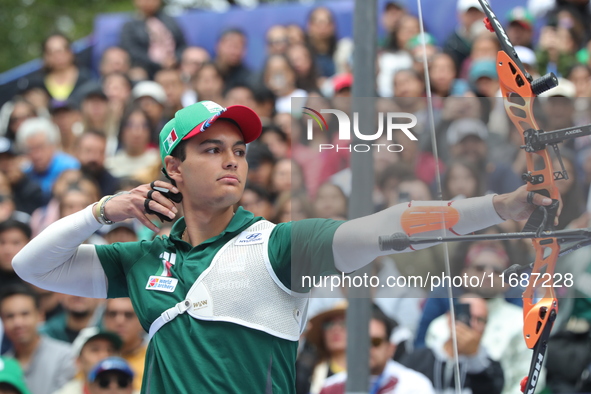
<point>360,204</point>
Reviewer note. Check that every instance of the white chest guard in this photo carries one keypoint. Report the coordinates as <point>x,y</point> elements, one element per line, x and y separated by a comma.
<point>241,287</point>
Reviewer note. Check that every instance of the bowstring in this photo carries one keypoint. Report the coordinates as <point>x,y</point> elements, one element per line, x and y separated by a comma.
<point>440,198</point>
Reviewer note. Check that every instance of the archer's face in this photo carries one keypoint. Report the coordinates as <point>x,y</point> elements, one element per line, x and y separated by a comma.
<point>214,171</point>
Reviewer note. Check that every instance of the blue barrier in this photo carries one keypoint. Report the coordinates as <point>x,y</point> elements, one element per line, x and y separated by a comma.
<point>204,27</point>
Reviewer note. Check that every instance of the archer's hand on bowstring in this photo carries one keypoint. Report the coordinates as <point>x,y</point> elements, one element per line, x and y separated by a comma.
<point>157,198</point>
<point>515,205</point>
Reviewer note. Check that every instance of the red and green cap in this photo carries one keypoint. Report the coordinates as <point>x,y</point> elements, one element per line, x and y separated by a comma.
<point>197,118</point>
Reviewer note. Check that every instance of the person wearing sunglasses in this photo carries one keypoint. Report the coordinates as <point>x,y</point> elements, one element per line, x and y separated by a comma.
<point>327,337</point>
<point>503,340</point>
<point>120,317</point>
<point>387,376</point>
<point>480,374</point>
<point>111,376</point>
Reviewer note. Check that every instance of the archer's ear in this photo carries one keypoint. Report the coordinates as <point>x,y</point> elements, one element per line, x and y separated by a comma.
<point>172,167</point>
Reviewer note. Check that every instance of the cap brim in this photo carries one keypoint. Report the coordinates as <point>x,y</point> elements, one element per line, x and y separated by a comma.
<point>245,118</point>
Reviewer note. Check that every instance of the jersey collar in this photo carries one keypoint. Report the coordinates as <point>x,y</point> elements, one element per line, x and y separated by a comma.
<point>240,220</point>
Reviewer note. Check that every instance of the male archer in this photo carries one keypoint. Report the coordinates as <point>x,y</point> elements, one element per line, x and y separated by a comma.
<point>228,317</point>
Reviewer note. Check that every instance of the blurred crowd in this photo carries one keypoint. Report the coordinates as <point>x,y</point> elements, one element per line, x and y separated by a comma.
<point>69,138</point>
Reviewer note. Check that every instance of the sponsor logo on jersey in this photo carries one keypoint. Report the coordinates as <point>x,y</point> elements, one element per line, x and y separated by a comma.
<point>161,283</point>
<point>249,238</point>
<point>168,260</point>
<point>200,304</point>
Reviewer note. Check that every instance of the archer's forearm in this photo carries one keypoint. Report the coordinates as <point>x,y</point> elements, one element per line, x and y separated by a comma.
<point>355,243</point>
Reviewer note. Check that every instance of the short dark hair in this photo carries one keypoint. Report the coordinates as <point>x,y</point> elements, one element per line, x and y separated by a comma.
<point>10,224</point>
<point>97,133</point>
<point>19,289</point>
<point>232,30</point>
<point>180,151</point>
<point>379,315</point>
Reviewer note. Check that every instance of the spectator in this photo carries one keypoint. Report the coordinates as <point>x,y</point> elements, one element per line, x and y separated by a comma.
<point>462,180</point>
<point>94,105</point>
<point>75,199</point>
<point>152,39</point>
<point>229,55</point>
<point>151,98</point>
<point>414,189</point>
<point>503,340</point>
<point>192,59</point>
<point>46,362</point>
<point>136,153</point>
<point>280,77</point>
<point>8,207</point>
<point>44,216</point>
<point>90,347</point>
<point>321,38</point>
<point>330,202</point>
<point>419,47</point>
<point>12,380</point>
<point>36,93</point>
<point>480,374</point>
<point>257,200</point>
<point>39,139</point>
<point>265,107</point>
<point>485,47</point>
<point>387,376</point>
<point>90,150</point>
<point>466,139</point>
<point>260,165</point>
<point>443,77</point>
<point>302,60</point>
<point>114,60</point>
<point>171,82</point>
<point>276,141</point>
<point>21,110</point>
<point>396,57</point>
<point>459,43</point>
<point>295,34</point>
<point>409,85</point>
<point>79,313</point>
<point>67,117</point>
<point>111,375</point>
<point>121,232</point>
<point>484,78</point>
<point>14,235</point>
<point>520,28</point>
<point>281,177</point>
<point>26,193</point>
<point>328,336</point>
<point>240,95</point>
<point>117,88</point>
<point>120,318</point>
<point>570,191</point>
<point>209,83</point>
<point>60,75</point>
<point>393,12</point>
<point>282,208</point>
<point>277,42</point>
<point>556,50</point>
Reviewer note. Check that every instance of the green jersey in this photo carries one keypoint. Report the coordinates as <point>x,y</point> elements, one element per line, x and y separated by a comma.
<point>188,355</point>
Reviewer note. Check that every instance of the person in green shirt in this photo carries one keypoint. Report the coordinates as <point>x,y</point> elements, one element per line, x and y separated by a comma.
<point>221,297</point>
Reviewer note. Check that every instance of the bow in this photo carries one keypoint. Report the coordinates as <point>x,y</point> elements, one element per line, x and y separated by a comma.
<point>519,90</point>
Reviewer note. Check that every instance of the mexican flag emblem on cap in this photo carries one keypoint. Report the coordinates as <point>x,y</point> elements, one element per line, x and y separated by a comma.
<point>170,140</point>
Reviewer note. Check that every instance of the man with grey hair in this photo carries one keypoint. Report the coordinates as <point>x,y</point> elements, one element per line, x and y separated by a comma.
<point>39,140</point>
